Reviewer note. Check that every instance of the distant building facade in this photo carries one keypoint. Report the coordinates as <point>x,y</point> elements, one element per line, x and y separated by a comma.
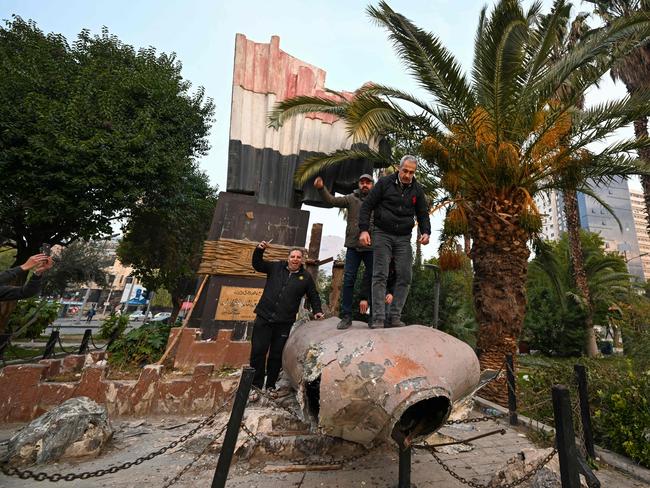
<point>641,225</point>
<point>595,218</point>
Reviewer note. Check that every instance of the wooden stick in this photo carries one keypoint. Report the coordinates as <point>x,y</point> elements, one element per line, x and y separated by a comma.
<point>299,468</point>
<point>185,322</point>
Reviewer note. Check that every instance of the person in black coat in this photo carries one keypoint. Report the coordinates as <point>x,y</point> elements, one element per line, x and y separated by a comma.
<point>395,203</point>
<point>286,283</point>
<point>39,263</point>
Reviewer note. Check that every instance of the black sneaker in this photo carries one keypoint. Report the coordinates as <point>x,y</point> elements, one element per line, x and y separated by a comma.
<point>397,323</point>
<point>376,324</point>
<point>344,323</point>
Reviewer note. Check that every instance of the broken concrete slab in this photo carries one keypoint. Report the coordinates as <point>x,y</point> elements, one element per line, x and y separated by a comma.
<point>78,427</point>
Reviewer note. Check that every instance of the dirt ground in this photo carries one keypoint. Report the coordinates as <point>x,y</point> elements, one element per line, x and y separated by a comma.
<point>376,468</point>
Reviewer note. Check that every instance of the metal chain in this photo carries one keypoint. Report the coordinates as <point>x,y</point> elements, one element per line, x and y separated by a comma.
<point>63,348</point>
<point>250,434</point>
<point>185,469</point>
<point>42,476</point>
<point>95,345</point>
<point>512,484</point>
<point>277,404</point>
<point>475,420</point>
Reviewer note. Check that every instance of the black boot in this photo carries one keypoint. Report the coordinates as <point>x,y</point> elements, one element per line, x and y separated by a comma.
<point>346,321</point>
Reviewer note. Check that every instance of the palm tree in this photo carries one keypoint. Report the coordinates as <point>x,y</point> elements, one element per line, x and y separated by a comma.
<point>571,180</point>
<point>632,69</point>
<point>497,139</point>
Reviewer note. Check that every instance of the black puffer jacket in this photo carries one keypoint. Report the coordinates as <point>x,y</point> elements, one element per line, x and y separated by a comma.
<point>395,207</point>
<point>29,289</point>
<point>283,290</point>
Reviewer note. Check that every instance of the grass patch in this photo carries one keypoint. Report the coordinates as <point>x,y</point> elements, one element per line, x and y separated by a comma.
<point>14,352</point>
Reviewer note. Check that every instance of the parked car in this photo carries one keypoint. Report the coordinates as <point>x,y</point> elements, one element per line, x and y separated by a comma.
<point>138,315</point>
<point>161,316</point>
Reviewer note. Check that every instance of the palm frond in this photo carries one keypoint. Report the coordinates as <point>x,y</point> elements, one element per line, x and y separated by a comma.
<point>547,264</point>
<point>302,105</point>
<point>311,166</point>
<point>585,64</point>
<point>591,193</point>
<point>433,66</point>
<point>499,51</point>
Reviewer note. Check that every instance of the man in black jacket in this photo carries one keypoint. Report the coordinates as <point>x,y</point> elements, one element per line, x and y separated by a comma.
<point>39,263</point>
<point>355,253</point>
<point>395,202</point>
<point>286,283</point>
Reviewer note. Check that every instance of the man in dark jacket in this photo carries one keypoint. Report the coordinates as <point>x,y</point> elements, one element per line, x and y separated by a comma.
<point>395,202</point>
<point>286,283</point>
<point>39,263</point>
<point>355,252</point>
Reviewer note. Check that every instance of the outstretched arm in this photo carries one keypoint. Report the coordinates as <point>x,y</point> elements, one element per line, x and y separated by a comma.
<point>259,264</point>
<point>341,202</point>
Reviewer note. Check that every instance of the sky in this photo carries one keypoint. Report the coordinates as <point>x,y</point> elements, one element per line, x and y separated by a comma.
<point>335,35</point>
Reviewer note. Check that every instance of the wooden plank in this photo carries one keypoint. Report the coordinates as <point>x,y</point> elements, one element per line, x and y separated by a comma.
<point>300,468</point>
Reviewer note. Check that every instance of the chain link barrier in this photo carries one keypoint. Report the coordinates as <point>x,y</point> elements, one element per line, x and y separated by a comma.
<point>63,348</point>
<point>92,341</point>
<point>512,484</point>
<point>55,477</point>
<point>187,467</point>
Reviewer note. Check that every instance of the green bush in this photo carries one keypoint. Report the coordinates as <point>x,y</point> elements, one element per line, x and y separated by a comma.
<point>144,345</point>
<point>619,399</point>
<point>113,326</point>
<point>31,317</point>
<point>622,420</point>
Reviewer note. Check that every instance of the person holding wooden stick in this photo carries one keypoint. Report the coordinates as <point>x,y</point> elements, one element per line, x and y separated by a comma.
<point>286,283</point>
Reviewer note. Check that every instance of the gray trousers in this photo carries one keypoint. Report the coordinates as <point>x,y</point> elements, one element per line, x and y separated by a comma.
<point>386,246</point>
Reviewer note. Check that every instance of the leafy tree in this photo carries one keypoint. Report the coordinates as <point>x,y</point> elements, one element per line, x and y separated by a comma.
<point>78,264</point>
<point>496,139</point>
<point>86,132</point>
<point>164,237</point>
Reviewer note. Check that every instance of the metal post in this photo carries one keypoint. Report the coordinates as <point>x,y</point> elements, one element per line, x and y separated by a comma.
<point>585,415</point>
<point>83,348</point>
<point>512,390</point>
<point>565,437</point>
<point>404,480</point>
<point>51,342</point>
<point>230,439</point>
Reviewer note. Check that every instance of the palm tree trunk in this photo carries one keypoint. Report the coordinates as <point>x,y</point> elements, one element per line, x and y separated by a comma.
<point>578,265</point>
<point>641,130</point>
<point>500,258</point>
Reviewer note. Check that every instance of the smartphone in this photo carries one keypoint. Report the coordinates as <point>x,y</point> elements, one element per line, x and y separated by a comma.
<point>46,249</point>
